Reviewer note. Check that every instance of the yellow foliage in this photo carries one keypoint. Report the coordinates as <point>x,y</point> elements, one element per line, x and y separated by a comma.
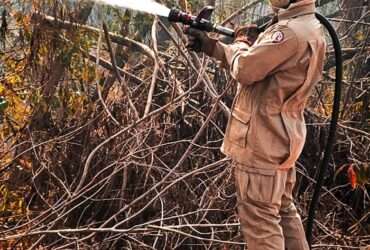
<point>11,201</point>
<point>1,89</point>
<point>18,111</point>
<point>360,36</point>
<point>12,207</point>
<point>4,198</point>
<point>5,155</point>
<point>357,107</point>
<point>13,79</point>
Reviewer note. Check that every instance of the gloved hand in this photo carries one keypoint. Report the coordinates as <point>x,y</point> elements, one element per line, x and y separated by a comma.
<point>247,33</point>
<point>199,41</point>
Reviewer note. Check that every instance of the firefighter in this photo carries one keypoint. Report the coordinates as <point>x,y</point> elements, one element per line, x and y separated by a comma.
<point>276,71</point>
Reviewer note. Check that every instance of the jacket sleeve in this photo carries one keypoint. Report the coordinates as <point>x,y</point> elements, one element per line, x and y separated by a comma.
<point>272,49</point>
<point>224,52</point>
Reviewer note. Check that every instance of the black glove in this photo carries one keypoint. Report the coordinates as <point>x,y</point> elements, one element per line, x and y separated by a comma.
<point>199,41</point>
<point>247,33</point>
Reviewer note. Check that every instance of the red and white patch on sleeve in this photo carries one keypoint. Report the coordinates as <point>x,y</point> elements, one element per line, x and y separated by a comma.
<point>277,37</point>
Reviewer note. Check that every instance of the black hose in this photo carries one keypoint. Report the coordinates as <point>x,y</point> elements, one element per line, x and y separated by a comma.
<point>333,125</point>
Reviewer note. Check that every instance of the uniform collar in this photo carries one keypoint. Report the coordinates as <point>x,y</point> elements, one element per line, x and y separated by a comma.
<point>297,9</point>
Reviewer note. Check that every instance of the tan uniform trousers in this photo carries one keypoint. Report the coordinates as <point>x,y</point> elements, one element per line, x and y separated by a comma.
<point>269,219</point>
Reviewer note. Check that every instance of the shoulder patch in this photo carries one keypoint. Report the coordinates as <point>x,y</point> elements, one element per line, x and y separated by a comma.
<point>277,37</point>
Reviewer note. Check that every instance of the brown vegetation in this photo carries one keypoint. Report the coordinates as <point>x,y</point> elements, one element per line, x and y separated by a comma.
<point>111,140</point>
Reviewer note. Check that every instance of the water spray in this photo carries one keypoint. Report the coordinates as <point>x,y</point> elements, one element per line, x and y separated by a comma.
<point>148,6</point>
<point>201,22</point>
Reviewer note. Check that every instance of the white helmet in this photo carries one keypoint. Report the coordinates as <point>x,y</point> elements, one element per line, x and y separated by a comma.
<point>280,3</point>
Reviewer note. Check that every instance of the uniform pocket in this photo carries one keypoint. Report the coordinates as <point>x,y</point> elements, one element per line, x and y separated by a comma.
<point>238,127</point>
<point>267,189</point>
<point>261,187</point>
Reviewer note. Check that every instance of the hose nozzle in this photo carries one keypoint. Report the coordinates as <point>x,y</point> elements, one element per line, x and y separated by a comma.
<point>200,22</point>
<point>178,16</point>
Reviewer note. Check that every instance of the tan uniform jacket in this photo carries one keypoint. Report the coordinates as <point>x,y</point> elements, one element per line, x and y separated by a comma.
<point>266,130</point>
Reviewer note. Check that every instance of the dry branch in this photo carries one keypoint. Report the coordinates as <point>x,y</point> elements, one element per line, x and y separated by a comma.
<point>157,180</point>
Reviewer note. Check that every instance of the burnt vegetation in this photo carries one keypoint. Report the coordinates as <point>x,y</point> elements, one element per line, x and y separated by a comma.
<point>110,131</point>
